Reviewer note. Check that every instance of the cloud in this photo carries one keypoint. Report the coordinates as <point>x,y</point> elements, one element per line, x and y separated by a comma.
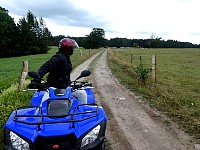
<point>62,12</point>
<point>194,33</point>
<point>169,19</point>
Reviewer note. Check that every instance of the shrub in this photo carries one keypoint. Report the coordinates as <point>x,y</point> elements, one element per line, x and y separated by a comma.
<point>142,72</point>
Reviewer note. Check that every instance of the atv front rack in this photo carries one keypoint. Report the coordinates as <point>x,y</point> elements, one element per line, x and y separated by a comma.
<point>40,115</point>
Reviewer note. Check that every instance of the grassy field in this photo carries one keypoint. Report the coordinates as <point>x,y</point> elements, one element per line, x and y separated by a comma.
<point>10,71</point>
<point>177,91</point>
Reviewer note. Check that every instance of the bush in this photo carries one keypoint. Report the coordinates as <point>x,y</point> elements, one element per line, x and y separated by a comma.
<point>10,99</point>
<point>142,72</point>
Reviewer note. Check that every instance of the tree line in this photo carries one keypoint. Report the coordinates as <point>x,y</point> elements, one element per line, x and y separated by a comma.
<point>97,42</point>
<point>31,36</point>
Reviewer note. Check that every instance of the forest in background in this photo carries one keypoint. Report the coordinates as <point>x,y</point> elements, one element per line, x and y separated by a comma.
<point>30,36</point>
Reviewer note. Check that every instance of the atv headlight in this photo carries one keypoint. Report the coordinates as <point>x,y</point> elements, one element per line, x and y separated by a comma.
<point>91,136</point>
<point>17,142</point>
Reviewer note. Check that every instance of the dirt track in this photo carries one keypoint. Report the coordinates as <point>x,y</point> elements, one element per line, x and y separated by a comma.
<point>132,124</point>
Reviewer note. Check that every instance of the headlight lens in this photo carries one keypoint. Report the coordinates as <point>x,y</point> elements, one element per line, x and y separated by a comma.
<point>17,142</point>
<point>91,136</point>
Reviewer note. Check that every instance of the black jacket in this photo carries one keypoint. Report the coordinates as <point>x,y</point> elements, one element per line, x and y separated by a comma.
<point>59,68</point>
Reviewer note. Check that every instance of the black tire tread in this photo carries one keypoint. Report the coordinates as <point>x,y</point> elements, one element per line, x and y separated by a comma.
<point>104,145</point>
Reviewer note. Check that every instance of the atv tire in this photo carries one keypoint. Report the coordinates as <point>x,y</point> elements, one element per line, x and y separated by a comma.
<point>104,145</point>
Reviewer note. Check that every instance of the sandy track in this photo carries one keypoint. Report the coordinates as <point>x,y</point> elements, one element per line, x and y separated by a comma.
<point>76,72</point>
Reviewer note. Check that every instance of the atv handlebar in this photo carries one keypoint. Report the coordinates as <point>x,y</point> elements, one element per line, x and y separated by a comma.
<point>80,85</point>
<point>36,81</point>
<point>75,85</point>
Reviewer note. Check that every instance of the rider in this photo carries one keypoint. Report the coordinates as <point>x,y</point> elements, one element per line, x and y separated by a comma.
<point>59,68</point>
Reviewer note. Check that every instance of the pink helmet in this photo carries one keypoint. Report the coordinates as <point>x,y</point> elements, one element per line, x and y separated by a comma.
<point>68,45</point>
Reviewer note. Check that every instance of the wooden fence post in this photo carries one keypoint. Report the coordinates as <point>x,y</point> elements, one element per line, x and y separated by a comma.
<point>23,74</point>
<point>131,58</point>
<point>154,68</point>
<point>81,54</point>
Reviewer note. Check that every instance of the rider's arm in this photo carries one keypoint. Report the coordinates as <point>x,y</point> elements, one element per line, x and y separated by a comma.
<point>49,66</point>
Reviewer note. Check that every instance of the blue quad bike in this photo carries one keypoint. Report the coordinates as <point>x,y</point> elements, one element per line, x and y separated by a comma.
<point>56,120</point>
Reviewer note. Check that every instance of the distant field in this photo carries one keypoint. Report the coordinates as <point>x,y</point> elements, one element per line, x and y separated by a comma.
<point>177,92</point>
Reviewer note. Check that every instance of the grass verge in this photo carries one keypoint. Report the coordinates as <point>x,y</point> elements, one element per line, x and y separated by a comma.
<point>10,99</point>
<point>176,92</point>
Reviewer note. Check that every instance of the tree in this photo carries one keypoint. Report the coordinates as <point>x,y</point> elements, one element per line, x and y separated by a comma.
<point>120,42</point>
<point>44,35</point>
<point>34,35</point>
<point>135,45</point>
<point>96,39</point>
<point>8,34</point>
<point>154,41</point>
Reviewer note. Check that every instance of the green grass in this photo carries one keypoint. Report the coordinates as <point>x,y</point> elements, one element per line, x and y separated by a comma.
<point>10,99</point>
<point>10,72</point>
<point>177,91</point>
<point>10,69</point>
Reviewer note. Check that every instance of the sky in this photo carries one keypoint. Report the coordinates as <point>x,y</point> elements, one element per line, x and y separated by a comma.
<point>133,19</point>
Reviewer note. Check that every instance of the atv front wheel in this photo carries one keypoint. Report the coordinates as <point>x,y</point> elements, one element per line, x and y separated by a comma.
<point>104,145</point>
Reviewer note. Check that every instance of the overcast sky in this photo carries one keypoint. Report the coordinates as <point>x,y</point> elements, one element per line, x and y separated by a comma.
<point>139,19</point>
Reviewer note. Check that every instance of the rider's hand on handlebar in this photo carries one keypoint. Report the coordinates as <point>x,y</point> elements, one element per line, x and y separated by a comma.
<point>36,81</point>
